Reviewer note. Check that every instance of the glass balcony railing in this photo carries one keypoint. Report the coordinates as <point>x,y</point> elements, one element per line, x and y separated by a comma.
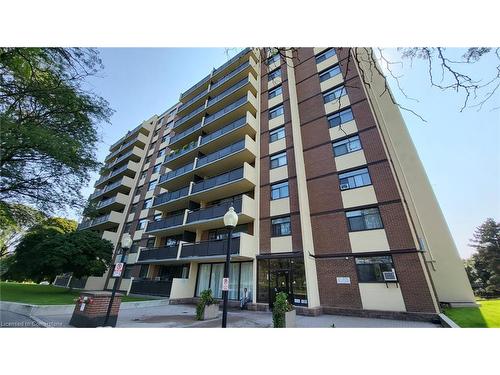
<point>174,155</point>
<point>213,212</point>
<point>121,158</point>
<point>176,173</point>
<point>209,248</point>
<point>192,88</point>
<point>168,222</point>
<point>185,133</point>
<point>223,111</point>
<point>135,130</point>
<point>106,202</point>
<point>227,92</point>
<point>114,153</point>
<point>230,75</point>
<point>170,196</point>
<point>231,149</point>
<point>191,101</point>
<point>229,62</point>
<point>189,116</point>
<point>221,179</point>
<point>106,189</point>
<point>90,223</point>
<point>226,129</point>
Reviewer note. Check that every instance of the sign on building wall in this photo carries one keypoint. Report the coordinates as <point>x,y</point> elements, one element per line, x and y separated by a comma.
<point>343,280</point>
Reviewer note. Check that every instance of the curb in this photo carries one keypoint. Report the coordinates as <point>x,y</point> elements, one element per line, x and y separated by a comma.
<point>447,322</point>
<point>33,310</point>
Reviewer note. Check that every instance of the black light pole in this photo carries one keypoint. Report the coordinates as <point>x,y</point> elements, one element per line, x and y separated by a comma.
<point>230,221</point>
<point>126,243</point>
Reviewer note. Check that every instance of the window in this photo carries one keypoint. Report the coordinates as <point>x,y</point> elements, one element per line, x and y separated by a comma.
<point>142,224</point>
<point>143,175</point>
<point>274,74</point>
<point>135,246</point>
<point>156,168</point>
<point>210,277</point>
<point>277,134</point>
<point>364,219</point>
<point>143,273</point>
<point>148,159</point>
<point>151,242</point>
<point>371,269</point>
<point>157,217</point>
<point>325,55</point>
<point>161,152</point>
<point>340,117</point>
<point>133,208</point>
<point>278,160</point>
<point>273,58</point>
<point>165,138</point>
<point>346,146</point>
<point>281,226</point>
<point>275,112</point>
<point>279,191</point>
<point>275,92</point>
<point>152,184</point>
<point>126,228</point>
<point>127,271</point>
<point>329,73</point>
<point>221,233</point>
<point>156,132</point>
<point>334,94</point>
<point>147,203</point>
<point>354,179</point>
<point>159,121</point>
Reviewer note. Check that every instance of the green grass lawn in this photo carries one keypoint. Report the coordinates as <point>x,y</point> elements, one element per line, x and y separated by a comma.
<point>486,316</point>
<point>44,294</point>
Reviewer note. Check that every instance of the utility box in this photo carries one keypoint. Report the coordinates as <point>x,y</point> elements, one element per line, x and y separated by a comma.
<point>91,308</point>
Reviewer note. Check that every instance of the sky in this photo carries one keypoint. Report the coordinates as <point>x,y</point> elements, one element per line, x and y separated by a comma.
<point>459,150</point>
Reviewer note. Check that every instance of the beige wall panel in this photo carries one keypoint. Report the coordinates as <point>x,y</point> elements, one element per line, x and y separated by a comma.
<point>281,244</point>
<point>277,121</point>
<point>279,207</point>
<point>184,288</point>
<point>277,174</point>
<point>274,82</point>
<point>351,160</point>
<point>275,101</point>
<point>276,146</point>
<point>319,49</point>
<point>379,296</point>
<point>327,63</point>
<point>342,130</point>
<point>337,105</point>
<point>331,82</point>
<point>358,197</point>
<point>96,282</point>
<point>368,240</point>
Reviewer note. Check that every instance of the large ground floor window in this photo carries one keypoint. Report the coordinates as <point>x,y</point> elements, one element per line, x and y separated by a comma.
<point>210,277</point>
<point>282,274</point>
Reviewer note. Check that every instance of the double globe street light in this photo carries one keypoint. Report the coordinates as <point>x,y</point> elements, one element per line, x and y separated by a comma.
<point>230,221</point>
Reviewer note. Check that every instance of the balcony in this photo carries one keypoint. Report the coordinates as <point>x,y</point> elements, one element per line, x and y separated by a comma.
<point>124,185</point>
<point>212,217</point>
<point>237,181</point>
<point>155,254</point>
<point>128,169</point>
<point>169,225</point>
<point>104,222</point>
<point>160,288</point>
<point>187,135</point>
<point>181,156</point>
<point>135,154</point>
<point>172,200</point>
<point>227,158</point>
<point>177,178</point>
<point>230,64</point>
<point>198,99</point>
<point>242,247</point>
<point>229,133</point>
<point>139,140</point>
<point>234,76</point>
<point>117,202</point>
<point>184,122</point>
<point>230,113</point>
<point>223,99</point>
<point>193,90</point>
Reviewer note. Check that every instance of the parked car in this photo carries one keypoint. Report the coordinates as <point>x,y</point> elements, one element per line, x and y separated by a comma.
<point>44,283</point>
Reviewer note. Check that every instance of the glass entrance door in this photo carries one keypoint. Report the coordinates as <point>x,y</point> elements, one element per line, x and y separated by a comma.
<point>280,282</point>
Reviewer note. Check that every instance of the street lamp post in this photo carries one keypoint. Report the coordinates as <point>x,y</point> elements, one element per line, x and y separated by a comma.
<point>126,242</point>
<point>230,221</point>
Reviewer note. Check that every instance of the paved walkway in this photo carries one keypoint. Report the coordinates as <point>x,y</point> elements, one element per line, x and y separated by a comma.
<point>184,316</point>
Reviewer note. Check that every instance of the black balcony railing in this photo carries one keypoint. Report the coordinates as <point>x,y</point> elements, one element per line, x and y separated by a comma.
<point>231,149</point>
<point>185,133</point>
<point>151,287</point>
<point>170,196</point>
<point>165,223</point>
<point>106,202</point>
<point>223,111</point>
<point>98,220</point>
<point>221,179</point>
<point>174,155</point>
<point>227,92</point>
<point>230,75</point>
<point>226,129</point>
<point>213,212</point>
<point>158,253</point>
<point>209,248</point>
<point>176,173</point>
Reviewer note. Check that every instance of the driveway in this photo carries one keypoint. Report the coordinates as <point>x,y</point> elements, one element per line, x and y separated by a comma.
<point>184,316</point>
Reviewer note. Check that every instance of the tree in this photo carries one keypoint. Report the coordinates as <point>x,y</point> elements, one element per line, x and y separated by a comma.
<point>483,267</point>
<point>447,70</point>
<point>54,248</point>
<point>49,124</point>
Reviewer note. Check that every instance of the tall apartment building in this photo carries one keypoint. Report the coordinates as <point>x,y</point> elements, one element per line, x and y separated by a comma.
<point>334,205</point>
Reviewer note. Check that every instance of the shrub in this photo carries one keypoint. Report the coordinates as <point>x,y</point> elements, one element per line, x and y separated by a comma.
<point>206,299</point>
<point>280,307</point>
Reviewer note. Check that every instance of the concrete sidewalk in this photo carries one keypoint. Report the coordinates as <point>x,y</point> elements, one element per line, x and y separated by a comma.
<point>183,316</point>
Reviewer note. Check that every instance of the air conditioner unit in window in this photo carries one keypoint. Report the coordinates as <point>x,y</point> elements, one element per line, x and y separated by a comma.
<point>389,276</point>
<point>344,186</point>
